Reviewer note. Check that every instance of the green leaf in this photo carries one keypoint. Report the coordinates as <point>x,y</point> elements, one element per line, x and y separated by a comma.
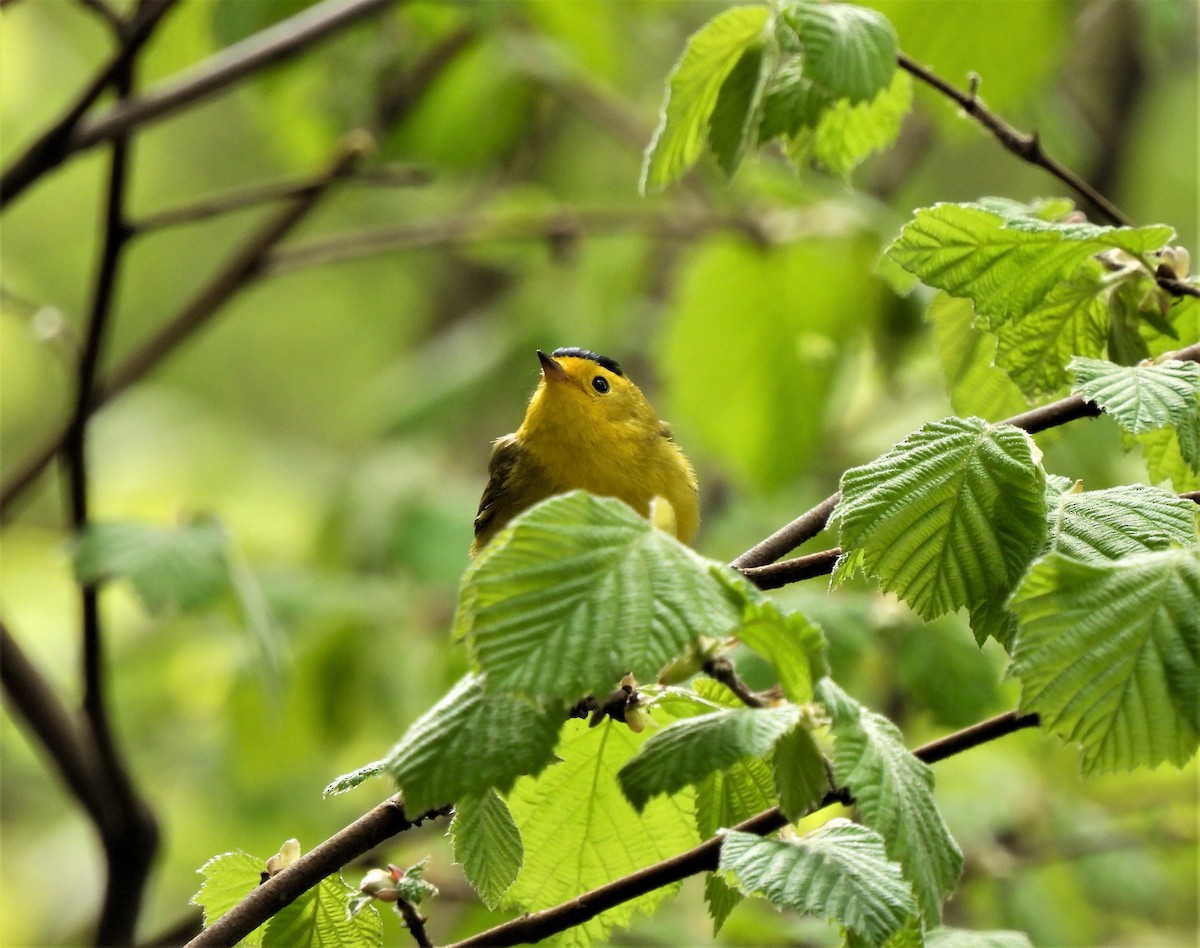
<point>470,741</point>
<point>487,844</point>
<point>967,354</point>
<point>791,102</point>
<point>1165,461</point>
<point>687,751</point>
<point>1006,265</point>
<point>846,133</point>
<point>839,872</point>
<point>962,938</point>
<point>893,793</point>
<point>1108,654</point>
<point>228,879</point>
<point>726,798</point>
<point>348,782</point>
<point>319,918</point>
<point>849,51</point>
<point>578,591</point>
<point>736,113</point>
<point>795,647</point>
<point>693,89</point>
<point>949,517</point>
<point>1120,521</point>
<point>579,832</point>
<point>800,774</point>
<point>1145,397</point>
<point>184,567</point>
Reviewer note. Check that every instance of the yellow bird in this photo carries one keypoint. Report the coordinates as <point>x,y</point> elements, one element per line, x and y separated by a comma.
<point>588,427</point>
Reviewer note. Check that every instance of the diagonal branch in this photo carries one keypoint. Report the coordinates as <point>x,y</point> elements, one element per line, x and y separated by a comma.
<point>703,858</point>
<point>53,146</point>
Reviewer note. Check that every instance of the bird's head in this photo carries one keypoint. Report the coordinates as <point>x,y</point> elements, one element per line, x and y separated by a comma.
<point>581,392</point>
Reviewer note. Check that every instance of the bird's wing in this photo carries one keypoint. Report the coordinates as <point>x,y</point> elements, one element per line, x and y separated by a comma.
<point>504,458</point>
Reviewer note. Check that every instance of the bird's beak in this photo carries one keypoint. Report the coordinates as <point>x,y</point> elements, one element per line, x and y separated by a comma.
<point>551,370</point>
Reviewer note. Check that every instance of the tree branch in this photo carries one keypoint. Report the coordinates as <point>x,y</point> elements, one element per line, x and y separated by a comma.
<point>368,831</point>
<point>242,268</point>
<point>1027,147</point>
<point>704,858</point>
<point>52,148</point>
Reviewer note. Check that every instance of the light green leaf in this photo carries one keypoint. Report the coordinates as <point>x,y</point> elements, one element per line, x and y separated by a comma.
<point>1164,459</point>
<point>949,517</point>
<point>846,133</point>
<point>319,918</point>
<point>348,782</point>
<point>578,591</point>
<point>184,567</point>
<point>967,354</point>
<point>580,832</point>
<point>792,102</point>
<point>839,872</point>
<point>795,647</point>
<point>726,798</point>
<point>893,792</point>
<point>800,774</point>
<point>487,844</point>
<point>470,741</point>
<point>228,879</point>
<point>689,750</point>
<point>962,938</point>
<point>693,88</point>
<point>1145,397</point>
<point>1108,654</point>
<point>1120,521</point>
<point>1006,265</point>
<point>849,51</point>
<point>731,128</point>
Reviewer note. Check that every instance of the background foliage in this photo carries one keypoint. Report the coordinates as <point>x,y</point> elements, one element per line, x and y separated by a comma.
<point>319,448</point>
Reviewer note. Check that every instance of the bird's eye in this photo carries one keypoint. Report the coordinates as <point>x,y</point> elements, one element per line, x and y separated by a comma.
<point>600,384</point>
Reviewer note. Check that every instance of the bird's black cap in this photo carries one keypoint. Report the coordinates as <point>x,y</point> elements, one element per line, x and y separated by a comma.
<point>611,364</point>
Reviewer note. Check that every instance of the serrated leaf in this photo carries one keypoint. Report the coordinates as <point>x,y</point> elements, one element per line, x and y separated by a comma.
<point>735,116</point>
<point>184,567</point>
<point>849,51</point>
<point>1120,521</point>
<point>800,775</point>
<point>318,918</point>
<point>967,355</point>
<point>791,103</point>
<point>487,844</point>
<point>1164,459</point>
<point>1145,397</point>
<point>578,591</point>
<point>893,793</point>
<point>469,742</point>
<point>693,89</point>
<point>795,647</point>
<point>949,517</point>
<point>725,798</point>
<point>1006,265</point>
<point>839,872</point>
<point>846,134</point>
<point>579,832</point>
<point>963,938</point>
<point>689,750</point>
<point>228,878</point>
<point>1108,654</point>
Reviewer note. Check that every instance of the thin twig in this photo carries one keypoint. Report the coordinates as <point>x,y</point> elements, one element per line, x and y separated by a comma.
<point>538,925</point>
<point>813,521</point>
<point>368,831</point>
<point>1025,146</point>
<point>721,669</point>
<point>414,922</point>
<point>53,146</point>
<point>242,268</point>
<point>778,575</point>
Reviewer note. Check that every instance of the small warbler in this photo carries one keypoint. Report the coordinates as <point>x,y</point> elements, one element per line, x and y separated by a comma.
<point>588,427</point>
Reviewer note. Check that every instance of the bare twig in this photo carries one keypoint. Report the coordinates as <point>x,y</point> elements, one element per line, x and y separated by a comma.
<point>721,669</point>
<point>777,575</point>
<point>53,146</point>
<point>242,268</point>
<point>704,858</point>
<point>1025,146</point>
<point>414,922</point>
<point>368,831</point>
<point>803,528</point>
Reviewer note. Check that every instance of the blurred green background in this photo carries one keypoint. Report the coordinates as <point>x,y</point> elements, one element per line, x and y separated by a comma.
<point>336,416</point>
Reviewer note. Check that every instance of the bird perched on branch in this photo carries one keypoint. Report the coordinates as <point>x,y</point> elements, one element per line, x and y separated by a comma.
<point>587,427</point>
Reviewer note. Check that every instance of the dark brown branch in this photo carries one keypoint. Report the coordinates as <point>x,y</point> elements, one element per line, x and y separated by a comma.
<point>243,267</point>
<point>704,858</point>
<point>809,524</point>
<point>777,575</point>
<point>1025,146</point>
<point>54,145</point>
<point>365,833</point>
<point>721,669</point>
<point>414,922</point>
<point>222,70</point>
